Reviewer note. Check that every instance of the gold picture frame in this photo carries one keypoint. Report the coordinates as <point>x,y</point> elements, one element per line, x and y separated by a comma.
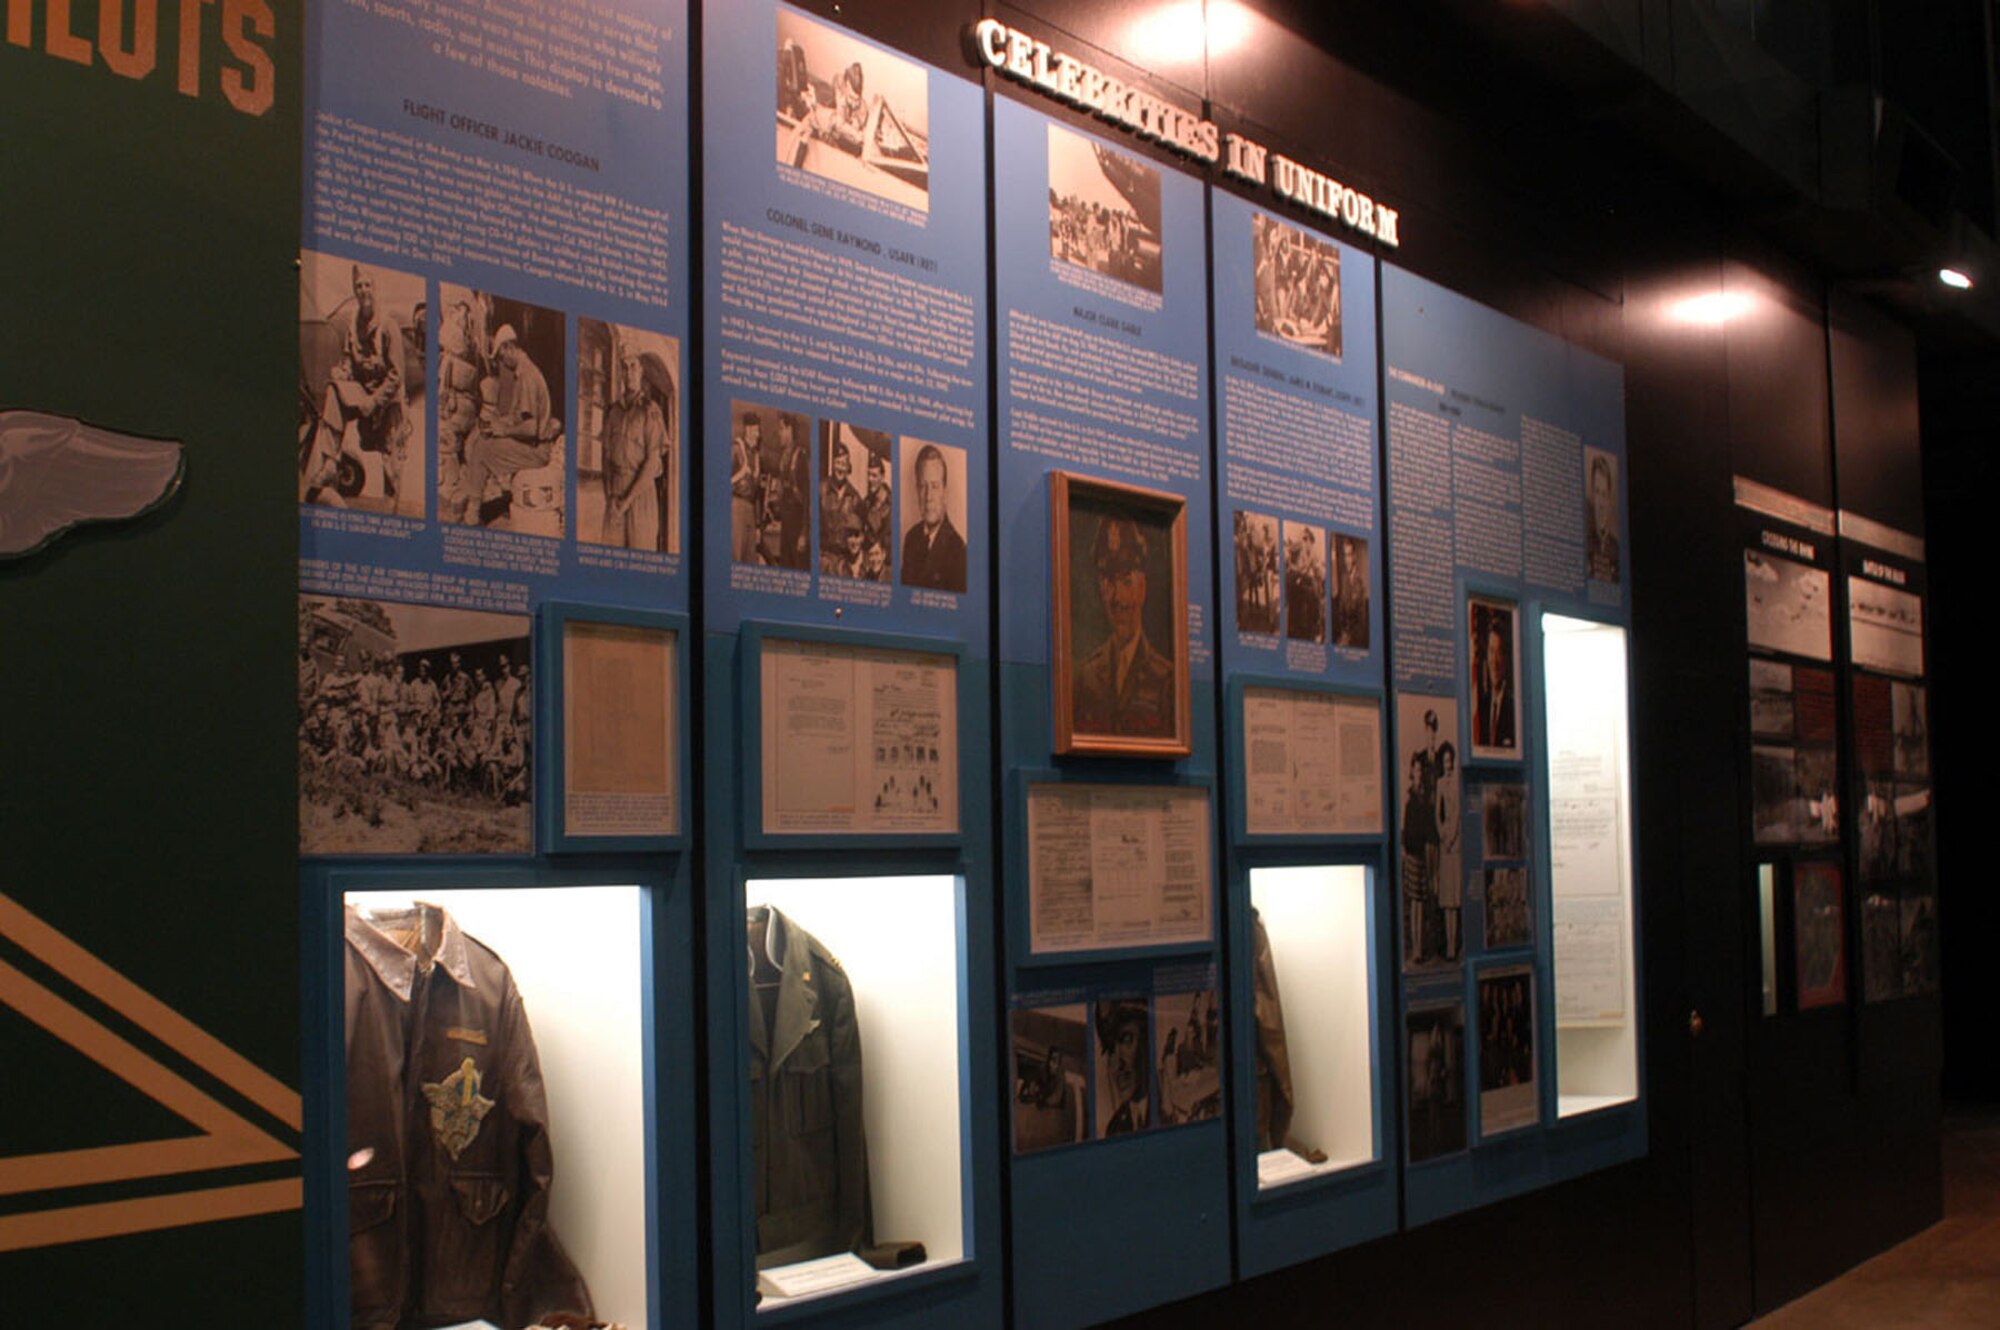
<point>1118,569</point>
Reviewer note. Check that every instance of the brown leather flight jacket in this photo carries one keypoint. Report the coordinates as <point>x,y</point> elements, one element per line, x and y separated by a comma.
<point>447,1135</point>
<point>808,1148</point>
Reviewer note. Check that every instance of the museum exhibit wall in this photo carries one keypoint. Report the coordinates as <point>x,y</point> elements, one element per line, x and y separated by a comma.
<point>708,597</point>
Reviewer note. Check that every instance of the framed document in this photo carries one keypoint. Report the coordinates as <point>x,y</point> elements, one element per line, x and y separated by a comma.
<point>1117,866</point>
<point>1118,561</point>
<point>615,769</point>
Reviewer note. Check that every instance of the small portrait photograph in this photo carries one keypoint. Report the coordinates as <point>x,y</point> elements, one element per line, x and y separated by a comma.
<point>1913,832</point>
<point>1774,774</point>
<point>1788,606</point>
<point>1433,849</point>
<point>1119,561</point>
<point>628,437</point>
<point>1504,824</point>
<point>1436,1052</point>
<point>1817,806</point>
<point>361,386</point>
<point>1494,651</point>
<point>1773,708</point>
<point>1124,1092</point>
<point>1350,592</point>
<point>1187,1050</point>
<point>1920,942</point>
<point>1507,1095</point>
<point>1881,947</point>
<point>1104,210</point>
<point>416,729</point>
<point>1909,723</point>
<point>1297,277</point>
<point>856,507</point>
<point>1257,582</point>
<point>1818,926</point>
<point>853,112</point>
<point>502,453</point>
<point>1879,831</point>
<point>1600,500</point>
<point>934,511</point>
<point>1305,582</point>
<point>1051,1076</point>
<point>1507,920</point>
<point>770,478</point>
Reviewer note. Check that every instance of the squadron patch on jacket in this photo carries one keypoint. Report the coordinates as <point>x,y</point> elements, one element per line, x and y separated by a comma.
<point>457,1108</point>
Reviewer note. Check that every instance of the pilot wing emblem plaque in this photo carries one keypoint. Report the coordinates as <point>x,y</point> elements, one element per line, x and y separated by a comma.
<point>457,1108</point>
<point>56,473</point>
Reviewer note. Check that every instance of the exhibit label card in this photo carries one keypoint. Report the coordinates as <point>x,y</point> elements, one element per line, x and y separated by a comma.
<point>1295,353</point>
<point>858,740</point>
<point>1100,269</point>
<point>1117,866</point>
<point>845,289</point>
<point>493,304</point>
<point>621,757</point>
<point>1312,763</point>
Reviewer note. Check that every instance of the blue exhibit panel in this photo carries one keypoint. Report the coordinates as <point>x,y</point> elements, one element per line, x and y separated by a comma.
<point>1506,503</point>
<point>1298,535</point>
<point>845,506</point>
<point>516,179</point>
<point>1101,345</point>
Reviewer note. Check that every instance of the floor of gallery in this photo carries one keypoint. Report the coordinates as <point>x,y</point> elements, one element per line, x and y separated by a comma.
<point>1944,1278</point>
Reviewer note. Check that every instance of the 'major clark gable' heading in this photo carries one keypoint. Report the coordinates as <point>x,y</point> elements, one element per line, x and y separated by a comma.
<point>1022,58</point>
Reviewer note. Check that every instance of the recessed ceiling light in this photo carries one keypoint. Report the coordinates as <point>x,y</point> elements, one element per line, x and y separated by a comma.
<point>1955,279</point>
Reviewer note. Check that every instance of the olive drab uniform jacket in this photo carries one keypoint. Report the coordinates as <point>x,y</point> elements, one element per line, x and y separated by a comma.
<point>449,1161</point>
<point>808,1147</point>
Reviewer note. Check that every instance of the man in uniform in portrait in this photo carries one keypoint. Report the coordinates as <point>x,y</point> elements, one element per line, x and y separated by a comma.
<point>875,516</point>
<point>933,550</point>
<point>519,432</point>
<point>1493,722</point>
<point>635,450</point>
<point>788,494</point>
<point>1602,538</point>
<point>1121,1053</point>
<point>839,511</point>
<point>1126,686</point>
<point>365,389</point>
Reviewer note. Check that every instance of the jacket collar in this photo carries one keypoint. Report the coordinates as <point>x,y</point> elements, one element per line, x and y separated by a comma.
<point>789,947</point>
<point>396,966</point>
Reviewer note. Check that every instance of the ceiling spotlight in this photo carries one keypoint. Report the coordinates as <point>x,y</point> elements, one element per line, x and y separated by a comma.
<point>1711,309</point>
<point>1955,279</point>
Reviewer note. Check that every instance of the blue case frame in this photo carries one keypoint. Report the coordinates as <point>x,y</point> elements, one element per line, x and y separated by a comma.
<point>667,988</point>
<point>551,774</point>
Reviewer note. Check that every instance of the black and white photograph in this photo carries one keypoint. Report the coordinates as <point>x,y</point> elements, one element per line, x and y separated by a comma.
<point>1881,947</point>
<point>852,112</point>
<point>361,386</point>
<point>1297,277</point>
<point>1880,852</point>
<point>770,479</point>
<point>1508,1096</point>
<point>1350,592</point>
<point>1493,648</point>
<point>1920,942</point>
<point>1600,497</point>
<point>1187,1046</point>
<point>503,456</point>
<point>1506,907</point>
<point>1822,939</point>
<point>934,486</point>
<point>1433,850</point>
<point>1773,709</point>
<point>628,437</point>
<point>1504,826</point>
<point>415,729</point>
<point>1909,721</point>
<point>1913,832</point>
<point>856,507</point>
<point>1436,1059</point>
<point>1051,1076</point>
<point>1124,1067</point>
<point>1305,582</point>
<point>1774,773</point>
<point>1104,210</point>
<point>1257,572</point>
<point>1818,800</point>
<point>1788,606</point>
